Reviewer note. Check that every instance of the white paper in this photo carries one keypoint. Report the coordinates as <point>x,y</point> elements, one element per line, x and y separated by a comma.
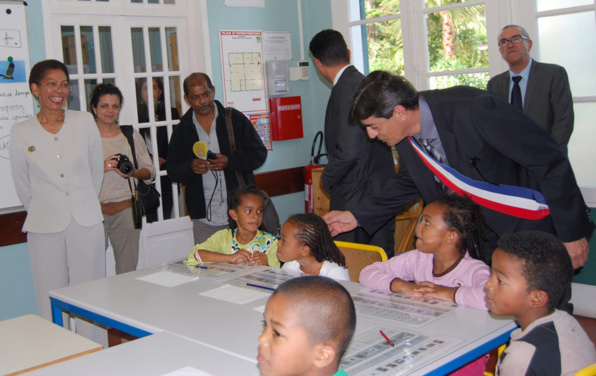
<point>167,279</point>
<point>188,371</point>
<point>277,45</point>
<point>232,294</point>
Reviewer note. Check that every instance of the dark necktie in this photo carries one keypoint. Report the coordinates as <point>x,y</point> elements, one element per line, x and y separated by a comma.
<point>516,97</point>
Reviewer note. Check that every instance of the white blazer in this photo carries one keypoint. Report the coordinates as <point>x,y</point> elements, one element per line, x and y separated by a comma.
<point>58,176</point>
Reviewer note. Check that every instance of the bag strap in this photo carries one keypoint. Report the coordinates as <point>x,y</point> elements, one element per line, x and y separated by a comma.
<point>232,138</point>
<point>127,131</point>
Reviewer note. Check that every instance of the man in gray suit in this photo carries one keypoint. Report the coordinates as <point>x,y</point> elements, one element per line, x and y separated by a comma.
<point>544,88</point>
<point>357,165</point>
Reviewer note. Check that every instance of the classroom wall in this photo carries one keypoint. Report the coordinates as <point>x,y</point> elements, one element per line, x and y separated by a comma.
<point>16,283</point>
<point>280,15</point>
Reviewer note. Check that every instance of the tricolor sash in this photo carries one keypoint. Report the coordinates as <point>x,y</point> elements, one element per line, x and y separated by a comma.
<point>515,201</point>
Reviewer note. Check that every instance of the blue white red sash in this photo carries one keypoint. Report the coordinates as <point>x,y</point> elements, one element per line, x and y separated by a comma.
<point>515,201</point>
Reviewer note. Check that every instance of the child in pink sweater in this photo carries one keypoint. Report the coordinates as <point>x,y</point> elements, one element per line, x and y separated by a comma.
<point>451,230</point>
<point>441,267</point>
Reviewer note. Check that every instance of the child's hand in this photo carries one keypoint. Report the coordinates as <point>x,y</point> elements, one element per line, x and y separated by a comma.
<point>259,258</point>
<point>430,290</point>
<point>408,288</point>
<point>240,257</point>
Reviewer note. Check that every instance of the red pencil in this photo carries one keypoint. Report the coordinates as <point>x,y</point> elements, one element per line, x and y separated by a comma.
<point>386,338</point>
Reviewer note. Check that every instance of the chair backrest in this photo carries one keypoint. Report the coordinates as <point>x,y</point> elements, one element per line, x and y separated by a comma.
<point>587,371</point>
<point>360,255</point>
<point>405,226</point>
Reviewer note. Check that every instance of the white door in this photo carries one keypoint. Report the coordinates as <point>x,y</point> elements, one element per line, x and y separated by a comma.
<point>146,58</point>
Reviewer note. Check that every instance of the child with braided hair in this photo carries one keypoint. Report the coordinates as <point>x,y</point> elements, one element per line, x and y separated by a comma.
<point>306,247</point>
<point>445,264</point>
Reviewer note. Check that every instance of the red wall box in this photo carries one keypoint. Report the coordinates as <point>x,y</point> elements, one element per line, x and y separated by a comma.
<point>286,118</point>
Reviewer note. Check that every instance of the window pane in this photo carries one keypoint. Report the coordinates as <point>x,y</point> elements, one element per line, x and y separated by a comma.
<point>542,5</point>
<point>169,2</point>
<point>172,41</point>
<point>153,1</point>
<point>155,49</point>
<point>478,80</point>
<point>88,49</point>
<point>378,8</point>
<point>107,54</point>
<point>142,100</point>
<point>385,46</point>
<point>436,3</point>
<point>73,96</point>
<point>136,1</point>
<point>138,49</point>
<point>175,100</point>
<point>578,55</point>
<point>582,153</point>
<point>89,86</point>
<point>457,39</point>
<point>109,81</point>
<point>69,51</point>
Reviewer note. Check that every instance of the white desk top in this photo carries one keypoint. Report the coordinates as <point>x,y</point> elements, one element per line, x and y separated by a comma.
<point>30,341</point>
<point>179,310</point>
<point>156,354</point>
<point>235,328</point>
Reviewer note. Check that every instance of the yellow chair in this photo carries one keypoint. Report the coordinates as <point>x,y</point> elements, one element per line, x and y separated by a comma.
<point>405,226</point>
<point>360,255</point>
<point>499,352</point>
<point>588,371</point>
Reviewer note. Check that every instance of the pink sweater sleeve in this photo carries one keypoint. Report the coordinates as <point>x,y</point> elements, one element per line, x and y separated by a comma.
<point>380,274</point>
<point>471,294</point>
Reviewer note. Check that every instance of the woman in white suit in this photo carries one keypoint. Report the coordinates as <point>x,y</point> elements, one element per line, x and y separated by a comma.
<point>57,168</point>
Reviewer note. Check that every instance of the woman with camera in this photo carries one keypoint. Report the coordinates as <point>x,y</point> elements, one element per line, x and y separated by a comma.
<point>119,174</point>
<point>56,161</point>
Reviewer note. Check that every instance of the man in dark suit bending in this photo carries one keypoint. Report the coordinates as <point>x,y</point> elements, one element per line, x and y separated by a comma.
<point>357,166</point>
<point>544,88</point>
<point>480,136</point>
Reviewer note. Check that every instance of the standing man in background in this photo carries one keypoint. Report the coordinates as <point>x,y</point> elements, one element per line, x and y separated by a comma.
<point>209,181</point>
<point>357,165</point>
<point>542,92</point>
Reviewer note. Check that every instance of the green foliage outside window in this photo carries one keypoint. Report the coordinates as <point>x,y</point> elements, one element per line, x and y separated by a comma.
<point>456,41</point>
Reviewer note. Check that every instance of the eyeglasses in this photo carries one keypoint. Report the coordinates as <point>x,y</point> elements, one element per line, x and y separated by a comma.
<point>515,40</point>
<point>54,84</point>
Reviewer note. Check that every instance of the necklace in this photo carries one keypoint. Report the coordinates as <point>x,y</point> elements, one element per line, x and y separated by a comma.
<point>51,126</point>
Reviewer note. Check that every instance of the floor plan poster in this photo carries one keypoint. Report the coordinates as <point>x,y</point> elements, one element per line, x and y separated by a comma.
<point>243,70</point>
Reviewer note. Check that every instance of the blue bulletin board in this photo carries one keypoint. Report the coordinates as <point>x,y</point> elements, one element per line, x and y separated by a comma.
<point>16,101</point>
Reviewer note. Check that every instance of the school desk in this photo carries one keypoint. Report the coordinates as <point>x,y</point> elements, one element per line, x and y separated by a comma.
<point>154,355</point>
<point>131,304</point>
<point>29,342</point>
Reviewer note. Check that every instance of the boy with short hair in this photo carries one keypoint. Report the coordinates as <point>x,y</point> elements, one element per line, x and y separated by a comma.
<point>307,327</point>
<point>530,272</point>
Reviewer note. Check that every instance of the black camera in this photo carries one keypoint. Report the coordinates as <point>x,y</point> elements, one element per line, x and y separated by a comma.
<point>124,164</point>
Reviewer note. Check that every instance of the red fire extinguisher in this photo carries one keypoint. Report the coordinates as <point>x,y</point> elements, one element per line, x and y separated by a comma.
<point>309,203</point>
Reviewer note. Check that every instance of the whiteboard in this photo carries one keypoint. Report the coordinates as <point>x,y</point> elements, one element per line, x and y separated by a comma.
<point>16,101</point>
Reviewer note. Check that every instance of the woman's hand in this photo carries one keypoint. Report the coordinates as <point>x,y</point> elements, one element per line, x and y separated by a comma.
<point>111,164</point>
